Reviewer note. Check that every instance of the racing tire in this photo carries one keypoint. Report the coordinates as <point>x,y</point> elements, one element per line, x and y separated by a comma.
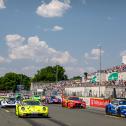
<point>46,116</point>
<point>107,111</point>
<point>15,112</point>
<point>63,105</point>
<point>68,105</point>
<point>118,112</point>
<point>18,114</point>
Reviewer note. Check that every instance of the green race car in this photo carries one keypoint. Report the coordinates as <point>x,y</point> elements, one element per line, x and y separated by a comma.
<point>36,97</point>
<point>31,107</point>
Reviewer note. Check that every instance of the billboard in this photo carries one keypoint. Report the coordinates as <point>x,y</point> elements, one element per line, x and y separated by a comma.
<point>122,76</point>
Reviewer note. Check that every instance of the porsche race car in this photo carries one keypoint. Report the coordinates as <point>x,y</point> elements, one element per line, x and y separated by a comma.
<point>73,102</point>
<point>9,102</point>
<point>53,99</point>
<point>31,107</point>
<point>116,107</point>
<point>36,97</point>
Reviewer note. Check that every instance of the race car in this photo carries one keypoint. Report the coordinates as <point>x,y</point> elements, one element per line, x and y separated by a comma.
<point>53,99</point>
<point>31,107</point>
<point>116,107</point>
<point>9,102</point>
<point>36,97</point>
<point>73,102</point>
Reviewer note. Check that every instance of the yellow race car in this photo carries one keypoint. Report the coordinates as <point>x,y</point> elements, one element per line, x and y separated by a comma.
<point>31,107</point>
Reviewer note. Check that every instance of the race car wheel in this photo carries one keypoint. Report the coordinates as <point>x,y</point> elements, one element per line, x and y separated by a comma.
<point>69,106</point>
<point>46,116</point>
<point>118,112</point>
<point>62,105</point>
<point>16,112</point>
<point>107,111</point>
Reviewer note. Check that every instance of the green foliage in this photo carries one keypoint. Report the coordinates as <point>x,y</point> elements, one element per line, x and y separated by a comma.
<point>50,74</point>
<point>10,81</point>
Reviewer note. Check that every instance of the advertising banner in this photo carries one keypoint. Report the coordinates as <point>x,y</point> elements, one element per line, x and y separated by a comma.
<point>122,76</point>
<point>97,102</point>
<point>87,100</point>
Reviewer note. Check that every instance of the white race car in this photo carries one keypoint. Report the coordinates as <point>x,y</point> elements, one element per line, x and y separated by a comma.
<point>9,102</point>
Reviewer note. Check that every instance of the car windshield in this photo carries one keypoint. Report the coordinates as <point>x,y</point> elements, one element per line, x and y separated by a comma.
<point>74,98</point>
<point>53,97</point>
<point>36,96</point>
<point>122,103</point>
<point>31,103</point>
<point>10,99</point>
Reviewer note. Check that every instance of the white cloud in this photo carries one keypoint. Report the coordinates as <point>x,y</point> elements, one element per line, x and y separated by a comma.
<point>2,60</point>
<point>84,2</point>
<point>109,18</point>
<point>14,40</point>
<point>67,1</point>
<point>57,28</point>
<point>123,53</point>
<point>93,55</point>
<point>3,70</point>
<point>29,70</point>
<point>38,51</point>
<point>90,69</point>
<point>74,71</point>
<point>55,8</point>
<point>2,4</point>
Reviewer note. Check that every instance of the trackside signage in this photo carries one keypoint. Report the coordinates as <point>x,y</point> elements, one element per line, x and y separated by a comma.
<point>95,102</point>
<point>87,100</point>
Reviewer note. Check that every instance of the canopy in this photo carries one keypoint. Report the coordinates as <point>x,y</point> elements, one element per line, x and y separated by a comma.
<point>94,79</point>
<point>113,76</point>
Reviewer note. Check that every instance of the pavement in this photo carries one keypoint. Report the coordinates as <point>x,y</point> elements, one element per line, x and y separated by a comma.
<point>96,108</point>
<point>59,116</point>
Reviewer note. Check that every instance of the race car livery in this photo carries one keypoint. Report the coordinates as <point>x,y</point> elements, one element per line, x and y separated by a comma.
<point>53,99</point>
<point>116,107</point>
<point>36,97</point>
<point>9,102</point>
<point>73,102</point>
<point>31,107</point>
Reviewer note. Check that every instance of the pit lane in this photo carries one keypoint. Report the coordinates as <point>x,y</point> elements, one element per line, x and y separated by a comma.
<point>63,117</point>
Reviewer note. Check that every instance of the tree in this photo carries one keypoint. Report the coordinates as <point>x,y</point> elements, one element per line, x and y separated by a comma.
<point>10,81</point>
<point>50,74</point>
<point>85,75</point>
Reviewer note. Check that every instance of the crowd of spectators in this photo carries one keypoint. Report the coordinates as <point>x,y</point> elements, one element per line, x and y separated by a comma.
<point>61,85</point>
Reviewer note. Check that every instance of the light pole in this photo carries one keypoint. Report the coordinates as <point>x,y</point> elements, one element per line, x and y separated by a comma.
<point>56,73</point>
<point>99,70</point>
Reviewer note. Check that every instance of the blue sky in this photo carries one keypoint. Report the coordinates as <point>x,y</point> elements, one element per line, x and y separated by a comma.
<point>38,33</point>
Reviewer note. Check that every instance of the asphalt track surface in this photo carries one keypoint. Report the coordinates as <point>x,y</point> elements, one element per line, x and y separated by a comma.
<point>62,117</point>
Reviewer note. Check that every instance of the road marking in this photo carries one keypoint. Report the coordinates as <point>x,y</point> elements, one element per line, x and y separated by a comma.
<point>7,110</point>
<point>114,117</point>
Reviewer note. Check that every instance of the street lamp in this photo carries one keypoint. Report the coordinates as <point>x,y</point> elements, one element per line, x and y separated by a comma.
<point>56,73</point>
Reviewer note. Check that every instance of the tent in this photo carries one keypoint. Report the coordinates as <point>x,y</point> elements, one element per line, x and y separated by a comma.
<point>113,76</point>
<point>94,79</point>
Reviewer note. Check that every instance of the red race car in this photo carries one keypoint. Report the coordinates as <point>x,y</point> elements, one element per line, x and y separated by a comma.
<point>73,102</point>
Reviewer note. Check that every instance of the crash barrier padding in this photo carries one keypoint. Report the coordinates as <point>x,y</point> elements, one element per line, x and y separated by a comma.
<point>98,102</point>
